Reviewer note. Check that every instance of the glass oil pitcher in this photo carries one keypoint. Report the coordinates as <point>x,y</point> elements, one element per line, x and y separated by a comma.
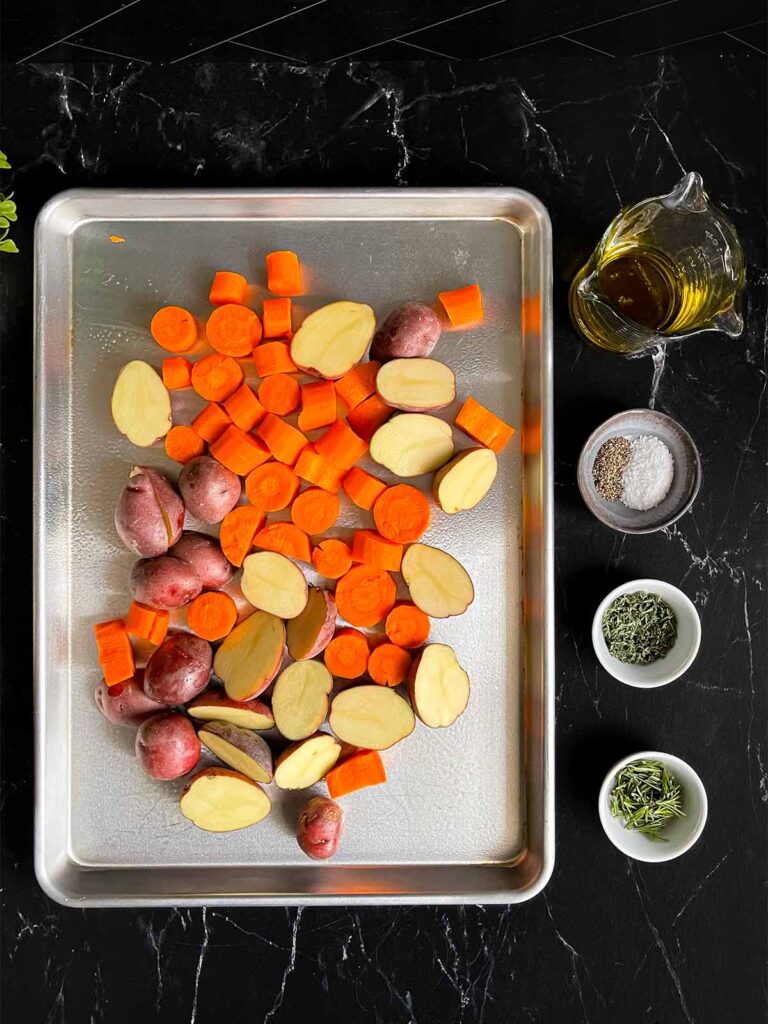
<point>666,268</point>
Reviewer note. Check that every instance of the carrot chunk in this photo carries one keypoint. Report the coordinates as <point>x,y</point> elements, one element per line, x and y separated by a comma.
<point>276,317</point>
<point>366,418</point>
<point>211,423</point>
<point>283,273</point>
<point>115,652</point>
<point>177,373</point>
<point>318,405</point>
<point>319,471</point>
<point>284,441</point>
<point>286,539</point>
<point>365,595</point>
<point>183,443</point>
<point>227,287</point>
<point>407,625</point>
<point>341,445</point>
<point>272,486</point>
<point>174,329</point>
<point>239,451</point>
<point>279,394</point>
<point>463,305</point>
<point>332,558</point>
<point>401,513</point>
<point>244,408</point>
<point>357,384</point>
<point>212,615</point>
<point>315,510</point>
<point>484,426</point>
<point>237,531</point>
<point>346,656</point>
<point>373,549</point>
<point>358,772</point>
<point>389,665</point>
<point>233,330</point>
<point>216,377</point>
<point>148,623</point>
<point>362,488</point>
<point>273,357</point>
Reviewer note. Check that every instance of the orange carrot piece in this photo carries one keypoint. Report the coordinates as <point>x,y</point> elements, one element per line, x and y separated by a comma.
<point>140,619</point>
<point>389,665</point>
<point>358,772</point>
<point>233,330</point>
<point>284,441</point>
<point>216,377</point>
<point>174,329</point>
<point>366,418</point>
<point>341,445</point>
<point>401,513</point>
<point>211,423</point>
<point>484,426</point>
<point>286,539</point>
<point>315,510</point>
<point>357,384</point>
<point>318,405</point>
<point>272,486</point>
<point>276,317</point>
<point>407,625</point>
<point>228,287</point>
<point>362,488</point>
<point>177,373</point>
<point>463,305</point>
<point>372,549</point>
<point>115,652</point>
<point>319,471</point>
<point>183,444</point>
<point>273,357</point>
<point>212,615</point>
<point>346,656</point>
<point>365,595</point>
<point>279,394</point>
<point>239,451</point>
<point>237,531</point>
<point>332,558</point>
<point>244,408</point>
<point>283,273</point>
<point>160,628</point>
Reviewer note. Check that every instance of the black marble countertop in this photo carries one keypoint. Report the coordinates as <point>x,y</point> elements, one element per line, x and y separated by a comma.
<point>610,941</point>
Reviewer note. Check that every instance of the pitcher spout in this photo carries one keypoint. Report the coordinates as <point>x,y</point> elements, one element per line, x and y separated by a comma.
<point>688,194</point>
<point>730,321</point>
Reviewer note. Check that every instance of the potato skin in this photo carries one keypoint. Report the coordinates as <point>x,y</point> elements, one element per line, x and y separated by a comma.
<point>164,582</point>
<point>250,743</point>
<point>411,330</point>
<point>178,670</point>
<point>319,828</point>
<point>139,519</point>
<point>126,703</point>
<point>167,746</point>
<point>209,489</point>
<point>204,556</point>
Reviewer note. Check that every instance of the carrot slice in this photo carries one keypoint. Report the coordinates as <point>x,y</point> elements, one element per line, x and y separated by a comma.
<point>140,619</point>
<point>369,547</point>
<point>244,408</point>
<point>115,652</point>
<point>332,558</point>
<point>366,418</point>
<point>272,486</point>
<point>211,423</point>
<point>407,625</point>
<point>284,441</point>
<point>227,287</point>
<point>183,443</point>
<point>216,377</point>
<point>318,405</point>
<point>233,330</point>
<point>484,426</point>
<point>239,451</point>
<point>319,471</point>
<point>341,445</point>
<point>174,329</point>
<point>177,373</point>
<point>286,539</point>
<point>358,772</point>
<point>365,595</point>
<point>389,665</point>
<point>463,305</point>
<point>276,317</point>
<point>212,615</point>
<point>346,656</point>
<point>357,384</point>
<point>160,627</point>
<point>401,513</point>
<point>362,488</point>
<point>279,394</point>
<point>283,273</point>
<point>315,510</point>
<point>237,531</point>
<point>273,357</point>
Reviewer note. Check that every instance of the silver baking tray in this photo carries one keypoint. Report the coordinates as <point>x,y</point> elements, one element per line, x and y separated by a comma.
<point>467,816</point>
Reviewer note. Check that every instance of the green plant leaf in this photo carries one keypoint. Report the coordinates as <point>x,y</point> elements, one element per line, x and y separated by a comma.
<point>8,246</point>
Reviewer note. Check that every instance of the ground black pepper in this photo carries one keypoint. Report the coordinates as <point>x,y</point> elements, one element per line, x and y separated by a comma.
<point>609,465</point>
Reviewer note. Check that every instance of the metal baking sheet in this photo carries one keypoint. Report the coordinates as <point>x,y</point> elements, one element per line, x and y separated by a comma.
<point>467,816</point>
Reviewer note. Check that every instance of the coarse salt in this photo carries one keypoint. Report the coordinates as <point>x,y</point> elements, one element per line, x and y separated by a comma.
<point>648,474</point>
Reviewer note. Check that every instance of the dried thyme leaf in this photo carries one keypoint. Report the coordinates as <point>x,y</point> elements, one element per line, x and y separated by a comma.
<point>639,628</point>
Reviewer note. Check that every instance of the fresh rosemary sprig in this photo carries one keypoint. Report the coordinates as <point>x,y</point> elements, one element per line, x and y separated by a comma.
<point>639,628</point>
<point>647,797</point>
<point>7,212</point>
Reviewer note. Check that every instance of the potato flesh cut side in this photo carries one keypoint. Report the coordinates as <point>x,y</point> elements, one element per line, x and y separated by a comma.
<point>416,384</point>
<point>466,480</point>
<point>242,717</point>
<point>438,583</point>
<point>308,762</point>
<point>236,758</point>
<point>141,405</point>
<point>300,699</point>
<point>249,658</point>
<point>412,444</point>
<point>219,800</point>
<point>311,631</point>
<point>440,687</point>
<point>371,717</point>
<point>274,583</point>
<point>333,338</point>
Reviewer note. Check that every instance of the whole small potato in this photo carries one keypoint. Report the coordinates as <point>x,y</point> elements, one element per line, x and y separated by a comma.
<point>318,831</point>
<point>179,669</point>
<point>204,556</point>
<point>126,703</point>
<point>167,746</point>
<point>412,330</point>
<point>209,489</point>
<point>164,582</point>
<point>149,515</point>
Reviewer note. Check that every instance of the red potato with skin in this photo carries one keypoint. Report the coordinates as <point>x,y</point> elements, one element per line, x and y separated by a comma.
<point>126,703</point>
<point>416,384</point>
<point>204,556</point>
<point>178,670</point>
<point>319,828</point>
<point>167,746</point>
<point>216,706</point>
<point>411,330</point>
<point>241,749</point>
<point>312,630</point>
<point>164,582</point>
<point>149,515</point>
<point>209,489</point>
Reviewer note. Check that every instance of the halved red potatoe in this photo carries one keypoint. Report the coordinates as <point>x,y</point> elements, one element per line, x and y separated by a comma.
<point>333,339</point>
<point>141,405</point>
<point>465,480</point>
<point>438,686</point>
<point>275,584</point>
<point>222,800</point>
<point>241,749</point>
<point>412,443</point>
<point>416,385</point>
<point>312,630</point>
<point>371,717</point>
<point>300,698</point>
<point>249,658</point>
<point>307,762</point>
<point>216,706</point>
<point>439,584</point>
